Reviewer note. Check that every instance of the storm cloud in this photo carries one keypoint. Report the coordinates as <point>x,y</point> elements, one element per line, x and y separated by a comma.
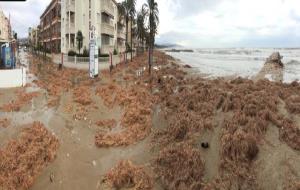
<point>24,14</point>
<point>202,23</point>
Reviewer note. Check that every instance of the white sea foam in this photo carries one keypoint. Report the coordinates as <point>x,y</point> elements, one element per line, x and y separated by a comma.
<point>242,62</point>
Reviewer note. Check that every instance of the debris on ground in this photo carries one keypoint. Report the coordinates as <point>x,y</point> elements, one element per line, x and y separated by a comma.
<point>82,95</point>
<point>22,99</point>
<point>135,122</point>
<point>108,123</point>
<point>108,94</point>
<point>180,167</point>
<point>22,160</point>
<point>127,175</point>
<point>57,82</point>
<point>4,123</point>
<point>192,106</point>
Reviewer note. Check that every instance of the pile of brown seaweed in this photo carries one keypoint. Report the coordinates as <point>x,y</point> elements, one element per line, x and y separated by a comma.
<point>180,167</point>
<point>24,158</point>
<point>58,81</point>
<point>127,175</point>
<point>82,95</point>
<point>23,98</point>
<point>192,106</point>
<point>4,123</point>
<point>109,123</point>
<point>108,94</point>
<point>136,120</point>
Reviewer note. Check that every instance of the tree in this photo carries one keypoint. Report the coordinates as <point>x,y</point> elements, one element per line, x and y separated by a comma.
<point>132,14</point>
<point>153,20</point>
<point>141,30</point>
<point>79,39</point>
<point>15,35</point>
<point>121,13</point>
<point>127,7</point>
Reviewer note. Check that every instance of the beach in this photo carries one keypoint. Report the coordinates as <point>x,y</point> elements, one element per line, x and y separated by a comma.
<point>176,128</point>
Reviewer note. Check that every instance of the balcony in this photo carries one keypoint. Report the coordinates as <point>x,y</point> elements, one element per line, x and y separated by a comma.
<point>107,29</point>
<point>70,29</point>
<point>121,34</point>
<point>56,36</point>
<point>56,20</point>
<point>106,49</point>
<point>107,7</point>
<point>70,7</point>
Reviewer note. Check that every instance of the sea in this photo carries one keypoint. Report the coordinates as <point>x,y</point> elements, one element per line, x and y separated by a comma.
<point>243,62</point>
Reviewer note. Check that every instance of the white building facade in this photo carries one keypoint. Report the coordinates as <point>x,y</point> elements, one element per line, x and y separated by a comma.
<point>5,28</point>
<point>83,15</point>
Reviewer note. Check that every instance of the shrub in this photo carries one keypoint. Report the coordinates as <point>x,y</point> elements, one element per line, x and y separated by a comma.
<point>103,55</point>
<point>71,53</point>
<point>86,52</point>
<point>115,52</point>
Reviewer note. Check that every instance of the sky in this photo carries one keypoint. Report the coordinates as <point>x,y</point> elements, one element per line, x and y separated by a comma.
<point>202,23</point>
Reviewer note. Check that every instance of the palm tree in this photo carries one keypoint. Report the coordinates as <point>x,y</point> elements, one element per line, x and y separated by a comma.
<point>79,40</point>
<point>15,35</point>
<point>152,13</point>
<point>121,13</point>
<point>129,10</point>
<point>140,29</point>
<point>132,14</point>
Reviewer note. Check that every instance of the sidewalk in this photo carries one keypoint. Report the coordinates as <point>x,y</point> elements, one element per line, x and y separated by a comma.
<point>56,58</point>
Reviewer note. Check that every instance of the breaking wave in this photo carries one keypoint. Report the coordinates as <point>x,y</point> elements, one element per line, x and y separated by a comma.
<point>293,62</point>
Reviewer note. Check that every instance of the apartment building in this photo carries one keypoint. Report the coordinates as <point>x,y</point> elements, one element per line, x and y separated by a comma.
<point>84,15</point>
<point>5,28</point>
<point>50,27</point>
<point>33,36</point>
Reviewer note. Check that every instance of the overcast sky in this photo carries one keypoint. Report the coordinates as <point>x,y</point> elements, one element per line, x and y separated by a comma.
<point>202,23</point>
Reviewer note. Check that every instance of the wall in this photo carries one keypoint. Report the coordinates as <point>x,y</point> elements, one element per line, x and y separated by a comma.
<point>12,78</point>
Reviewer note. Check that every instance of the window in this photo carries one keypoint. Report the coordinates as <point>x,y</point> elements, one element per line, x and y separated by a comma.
<point>98,18</point>
<point>83,21</point>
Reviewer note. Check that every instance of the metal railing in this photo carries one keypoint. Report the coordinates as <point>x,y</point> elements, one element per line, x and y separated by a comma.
<point>107,28</point>
<point>121,34</point>
<point>107,6</point>
<point>71,7</point>
<point>84,60</point>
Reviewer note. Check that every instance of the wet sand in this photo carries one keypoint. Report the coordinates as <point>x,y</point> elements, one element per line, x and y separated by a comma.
<point>80,164</point>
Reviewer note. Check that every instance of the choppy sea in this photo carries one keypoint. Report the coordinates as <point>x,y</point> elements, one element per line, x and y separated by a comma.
<point>244,62</point>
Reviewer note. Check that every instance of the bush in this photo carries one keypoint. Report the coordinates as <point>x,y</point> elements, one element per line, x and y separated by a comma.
<point>86,52</point>
<point>115,52</point>
<point>71,53</point>
<point>103,55</point>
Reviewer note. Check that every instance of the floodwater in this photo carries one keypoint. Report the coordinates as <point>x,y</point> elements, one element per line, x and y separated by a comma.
<point>239,61</point>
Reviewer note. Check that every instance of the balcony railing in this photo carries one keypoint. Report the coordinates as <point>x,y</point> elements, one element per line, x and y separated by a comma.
<point>105,49</point>
<point>70,29</point>
<point>107,6</point>
<point>107,29</point>
<point>70,7</point>
<point>56,35</point>
<point>121,34</point>
<point>55,20</point>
